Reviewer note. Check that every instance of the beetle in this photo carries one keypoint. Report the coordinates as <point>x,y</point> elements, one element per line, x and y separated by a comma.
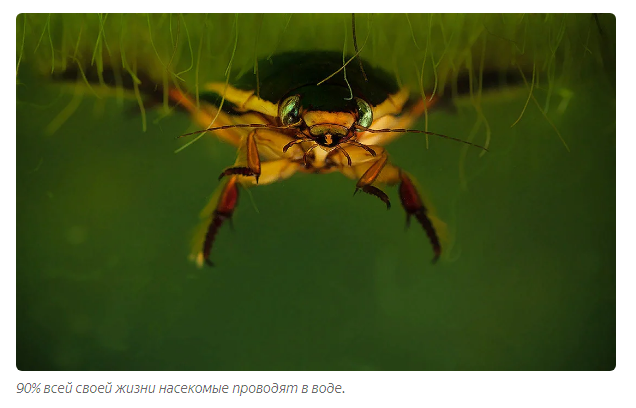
<point>290,119</point>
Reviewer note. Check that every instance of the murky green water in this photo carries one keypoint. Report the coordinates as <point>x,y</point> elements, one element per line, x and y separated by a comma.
<point>316,279</point>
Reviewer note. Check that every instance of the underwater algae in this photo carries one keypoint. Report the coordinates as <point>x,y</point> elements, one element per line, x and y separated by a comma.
<point>105,210</point>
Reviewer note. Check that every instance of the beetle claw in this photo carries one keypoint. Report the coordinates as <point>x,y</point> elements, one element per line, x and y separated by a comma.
<point>374,191</point>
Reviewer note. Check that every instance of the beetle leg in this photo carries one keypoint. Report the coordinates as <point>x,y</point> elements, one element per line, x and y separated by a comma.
<point>205,114</point>
<point>250,164</point>
<point>245,100</point>
<point>224,200</point>
<point>294,142</point>
<point>411,202</point>
<point>414,206</point>
<point>263,144</point>
<point>368,178</point>
<point>366,165</point>
<point>377,170</point>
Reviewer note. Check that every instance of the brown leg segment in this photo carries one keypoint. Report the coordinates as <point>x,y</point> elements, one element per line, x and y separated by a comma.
<point>252,161</point>
<point>377,170</point>
<point>224,200</point>
<point>224,209</point>
<point>205,114</point>
<point>413,205</point>
<point>370,175</point>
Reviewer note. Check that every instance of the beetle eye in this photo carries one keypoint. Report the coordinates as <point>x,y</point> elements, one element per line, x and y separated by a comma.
<point>365,113</point>
<point>288,111</point>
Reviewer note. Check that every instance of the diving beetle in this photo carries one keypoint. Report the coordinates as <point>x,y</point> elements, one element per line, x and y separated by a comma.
<point>289,120</point>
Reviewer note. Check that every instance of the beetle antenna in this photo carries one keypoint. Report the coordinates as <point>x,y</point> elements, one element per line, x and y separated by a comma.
<point>253,125</point>
<point>366,129</point>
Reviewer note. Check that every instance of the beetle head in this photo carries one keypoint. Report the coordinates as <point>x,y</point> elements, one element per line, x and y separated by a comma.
<point>325,114</point>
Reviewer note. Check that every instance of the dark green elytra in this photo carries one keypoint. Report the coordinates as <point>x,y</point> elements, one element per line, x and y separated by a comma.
<point>290,71</point>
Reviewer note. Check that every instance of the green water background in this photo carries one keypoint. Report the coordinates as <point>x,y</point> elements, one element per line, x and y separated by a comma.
<point>316,279</point>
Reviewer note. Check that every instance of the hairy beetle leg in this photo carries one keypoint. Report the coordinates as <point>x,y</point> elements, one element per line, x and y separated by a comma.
<point>248,154</point>
<point>413,206</point>
<point>224,209</point>
<point>224,201</point>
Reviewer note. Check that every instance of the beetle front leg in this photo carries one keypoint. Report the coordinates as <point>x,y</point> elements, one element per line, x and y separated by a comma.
<point>248,162</point>
<point>369,177</point>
